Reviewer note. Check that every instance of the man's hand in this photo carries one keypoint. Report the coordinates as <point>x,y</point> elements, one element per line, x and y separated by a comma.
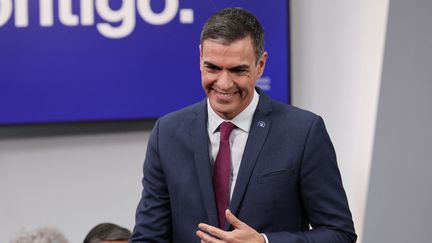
<point>241,233</point>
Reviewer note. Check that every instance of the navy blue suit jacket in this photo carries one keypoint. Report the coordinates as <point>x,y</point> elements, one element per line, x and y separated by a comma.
<point>288,179</point>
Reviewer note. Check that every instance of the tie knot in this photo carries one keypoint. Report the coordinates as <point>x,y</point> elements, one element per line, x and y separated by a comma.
<point>225,130</point>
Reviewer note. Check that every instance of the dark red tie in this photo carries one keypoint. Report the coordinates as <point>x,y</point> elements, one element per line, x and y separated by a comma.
<point>222,170</point>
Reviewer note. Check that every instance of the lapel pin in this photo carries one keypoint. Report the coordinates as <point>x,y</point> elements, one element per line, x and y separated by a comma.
<point>261,124</point>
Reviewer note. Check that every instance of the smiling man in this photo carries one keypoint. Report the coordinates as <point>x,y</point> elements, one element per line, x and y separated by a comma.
<point>229,73</point>
<point>239,166</point>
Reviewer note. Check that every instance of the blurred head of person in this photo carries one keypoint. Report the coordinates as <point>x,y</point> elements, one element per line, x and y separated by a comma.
<point>41,235</point>
<point>107,233</point>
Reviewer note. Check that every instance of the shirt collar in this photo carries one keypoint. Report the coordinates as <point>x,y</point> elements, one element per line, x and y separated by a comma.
<point>242,120</point>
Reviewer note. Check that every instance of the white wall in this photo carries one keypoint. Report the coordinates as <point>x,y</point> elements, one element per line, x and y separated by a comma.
<point>70,181</point>
<point>337,53</point>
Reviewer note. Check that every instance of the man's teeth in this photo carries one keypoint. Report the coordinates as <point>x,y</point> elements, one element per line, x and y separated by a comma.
<point>225,94</point>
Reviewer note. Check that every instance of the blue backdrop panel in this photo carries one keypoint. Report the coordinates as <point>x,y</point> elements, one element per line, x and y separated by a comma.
<point>72,60</point>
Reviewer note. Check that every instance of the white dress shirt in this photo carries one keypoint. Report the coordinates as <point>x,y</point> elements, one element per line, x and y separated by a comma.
<point>238,136</point>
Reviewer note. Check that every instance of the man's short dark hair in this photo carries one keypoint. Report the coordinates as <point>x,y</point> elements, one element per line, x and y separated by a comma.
<point>232,24</point>
<point>107,232</point>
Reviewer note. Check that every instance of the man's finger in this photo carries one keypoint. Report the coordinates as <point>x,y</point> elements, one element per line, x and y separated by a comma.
<point>205,238</point>
<point>213,231</point>
<point>233,220</point>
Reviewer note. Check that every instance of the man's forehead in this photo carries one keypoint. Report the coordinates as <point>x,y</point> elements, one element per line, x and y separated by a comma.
<point>235,49</point>
<point>225,42</point>
<point>226,62</point>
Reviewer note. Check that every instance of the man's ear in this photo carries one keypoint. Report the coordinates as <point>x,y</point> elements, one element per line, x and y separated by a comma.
<point>261,63</point>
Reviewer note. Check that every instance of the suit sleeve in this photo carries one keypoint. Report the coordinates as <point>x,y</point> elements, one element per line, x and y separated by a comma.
<point>322,193</point>
<point>153,214</point>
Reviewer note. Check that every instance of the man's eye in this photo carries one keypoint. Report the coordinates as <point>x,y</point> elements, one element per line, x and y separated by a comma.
<point>239,71</point>
<point>212,68</point>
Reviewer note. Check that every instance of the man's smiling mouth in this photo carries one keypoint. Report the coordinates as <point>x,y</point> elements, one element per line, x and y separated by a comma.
<point>225,94</point>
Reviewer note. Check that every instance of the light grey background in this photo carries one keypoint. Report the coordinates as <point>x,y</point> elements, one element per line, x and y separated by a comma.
<point>400,190</point>
<point>71,176</point>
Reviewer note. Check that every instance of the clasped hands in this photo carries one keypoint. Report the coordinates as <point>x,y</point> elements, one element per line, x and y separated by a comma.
<point>241,233</point>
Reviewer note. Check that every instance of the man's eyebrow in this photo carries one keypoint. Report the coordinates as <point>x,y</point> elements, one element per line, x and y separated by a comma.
<point>232,69</point>
<point>239,68</point>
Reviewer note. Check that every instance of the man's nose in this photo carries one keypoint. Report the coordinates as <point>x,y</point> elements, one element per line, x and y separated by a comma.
<point>225,81</point>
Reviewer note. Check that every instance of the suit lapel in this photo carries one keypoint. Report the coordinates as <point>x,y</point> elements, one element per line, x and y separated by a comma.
<point>200,142</point>
<point>258,133</point>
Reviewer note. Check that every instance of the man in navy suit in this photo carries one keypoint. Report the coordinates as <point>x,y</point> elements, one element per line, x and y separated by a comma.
<point>283,184</point>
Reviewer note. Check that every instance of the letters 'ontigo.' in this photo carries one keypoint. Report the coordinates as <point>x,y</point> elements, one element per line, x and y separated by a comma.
<point>125,15</point>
